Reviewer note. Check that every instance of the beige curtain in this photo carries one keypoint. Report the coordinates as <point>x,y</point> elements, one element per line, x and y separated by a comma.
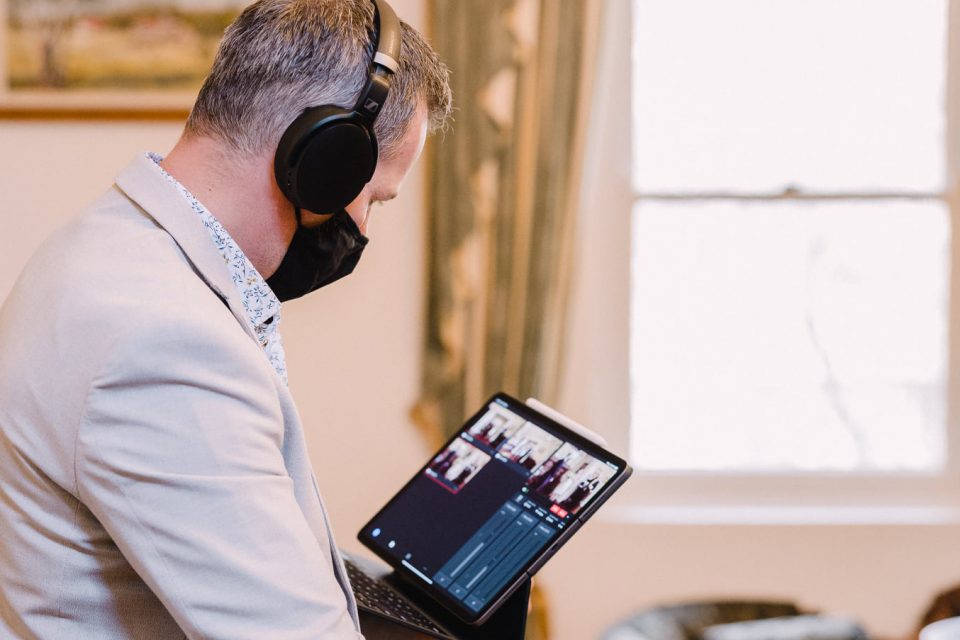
<point>504,192</point>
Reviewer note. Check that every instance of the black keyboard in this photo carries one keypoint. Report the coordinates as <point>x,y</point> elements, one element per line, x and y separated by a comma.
<point>377,597</point>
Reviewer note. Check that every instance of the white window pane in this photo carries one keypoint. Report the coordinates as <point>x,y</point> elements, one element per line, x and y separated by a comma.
<point>752,95</point>
<point>792,335</point>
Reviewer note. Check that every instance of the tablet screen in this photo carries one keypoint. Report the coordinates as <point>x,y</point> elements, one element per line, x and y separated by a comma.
<point>491,504</point>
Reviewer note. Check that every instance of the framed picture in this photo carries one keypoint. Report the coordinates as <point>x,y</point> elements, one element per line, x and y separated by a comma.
<point>107,58</point>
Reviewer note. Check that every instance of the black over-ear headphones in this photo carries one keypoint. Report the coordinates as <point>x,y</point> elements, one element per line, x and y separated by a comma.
<point>327,155</point>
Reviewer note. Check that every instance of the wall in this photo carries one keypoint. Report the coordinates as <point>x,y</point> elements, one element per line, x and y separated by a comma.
<point>353,355</point>
<point>883,576</point>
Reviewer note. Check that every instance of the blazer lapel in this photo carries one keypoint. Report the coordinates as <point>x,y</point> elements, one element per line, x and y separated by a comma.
<point>144,183</point>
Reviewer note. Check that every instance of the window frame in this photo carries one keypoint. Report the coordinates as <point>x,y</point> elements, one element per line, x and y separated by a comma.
<point>597,380</point>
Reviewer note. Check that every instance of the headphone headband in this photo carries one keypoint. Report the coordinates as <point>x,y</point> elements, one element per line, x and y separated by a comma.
<point>327,155</point>
<point>389,38</point>
<point>384,63</point>
<point>384,60</point>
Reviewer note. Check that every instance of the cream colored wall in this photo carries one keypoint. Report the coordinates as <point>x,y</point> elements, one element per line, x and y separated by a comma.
<point>883,576</point>
<point>353,355</point>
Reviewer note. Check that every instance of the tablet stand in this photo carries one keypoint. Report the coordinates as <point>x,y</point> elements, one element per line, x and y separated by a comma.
<point>508,623</point>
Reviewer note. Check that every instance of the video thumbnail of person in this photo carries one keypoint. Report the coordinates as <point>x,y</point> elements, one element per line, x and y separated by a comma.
<point>456,465</point>
<point>569,479</point>
<point>530,446</point>
<point>495,427</point>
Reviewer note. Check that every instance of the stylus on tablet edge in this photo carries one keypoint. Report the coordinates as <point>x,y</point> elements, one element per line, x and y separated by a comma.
<point>566,421</point>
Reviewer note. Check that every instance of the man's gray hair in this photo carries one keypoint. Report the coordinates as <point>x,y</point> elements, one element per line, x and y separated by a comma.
<point>282,56</point>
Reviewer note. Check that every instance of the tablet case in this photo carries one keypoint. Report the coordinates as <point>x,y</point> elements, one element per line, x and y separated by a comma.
<point>509,622</point>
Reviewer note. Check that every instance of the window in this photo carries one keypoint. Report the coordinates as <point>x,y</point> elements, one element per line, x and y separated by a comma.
<point>791,237</point>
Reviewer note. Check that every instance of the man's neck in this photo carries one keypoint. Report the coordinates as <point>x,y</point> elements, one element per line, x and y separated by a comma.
<point>241,193</point>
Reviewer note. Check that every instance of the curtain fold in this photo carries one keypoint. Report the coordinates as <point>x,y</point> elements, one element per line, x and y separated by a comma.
<point>504,192</point>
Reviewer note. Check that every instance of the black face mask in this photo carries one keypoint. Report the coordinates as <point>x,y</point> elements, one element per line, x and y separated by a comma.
<point>318,256</point>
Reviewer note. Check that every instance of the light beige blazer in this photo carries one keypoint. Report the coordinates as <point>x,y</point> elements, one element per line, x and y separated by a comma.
<point>154,481</point>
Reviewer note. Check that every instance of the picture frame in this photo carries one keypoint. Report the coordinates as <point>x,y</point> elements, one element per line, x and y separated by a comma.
<point>107,59</point>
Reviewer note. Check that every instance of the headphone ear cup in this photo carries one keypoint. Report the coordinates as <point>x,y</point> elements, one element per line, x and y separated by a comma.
<point>324,159</point>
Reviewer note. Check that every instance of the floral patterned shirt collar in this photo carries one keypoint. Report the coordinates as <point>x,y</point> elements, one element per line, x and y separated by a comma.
<point>259,302</point>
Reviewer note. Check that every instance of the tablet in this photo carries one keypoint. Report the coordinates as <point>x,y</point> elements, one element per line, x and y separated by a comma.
<point>494,503</point>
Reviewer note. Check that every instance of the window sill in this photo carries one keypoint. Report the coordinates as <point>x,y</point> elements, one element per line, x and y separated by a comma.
<point>782,515</point>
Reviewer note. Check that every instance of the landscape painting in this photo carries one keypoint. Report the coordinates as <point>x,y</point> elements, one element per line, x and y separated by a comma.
<point>109,54</point>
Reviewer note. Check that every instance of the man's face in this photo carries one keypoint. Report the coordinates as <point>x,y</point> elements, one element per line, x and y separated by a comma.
<point>387,178</point>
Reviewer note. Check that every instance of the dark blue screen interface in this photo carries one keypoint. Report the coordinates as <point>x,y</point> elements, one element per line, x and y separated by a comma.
<point>484,506</point>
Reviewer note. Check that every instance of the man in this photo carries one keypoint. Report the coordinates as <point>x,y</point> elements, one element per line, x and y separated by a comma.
<point>154,482</point>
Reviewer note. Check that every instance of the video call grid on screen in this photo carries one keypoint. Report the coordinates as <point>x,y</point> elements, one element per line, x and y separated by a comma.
<point>486,505</point>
